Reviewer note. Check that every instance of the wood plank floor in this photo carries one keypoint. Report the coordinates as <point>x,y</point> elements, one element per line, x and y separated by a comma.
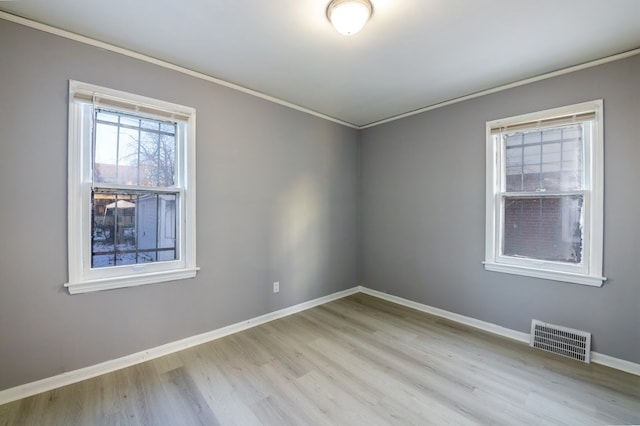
<point>356,361</point>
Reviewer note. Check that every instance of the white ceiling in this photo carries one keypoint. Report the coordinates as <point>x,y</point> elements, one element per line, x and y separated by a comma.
<point>412,54</point>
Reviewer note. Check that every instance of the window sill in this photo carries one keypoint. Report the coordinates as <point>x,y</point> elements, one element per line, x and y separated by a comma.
<point>590,280</point>
<point>88,286</point>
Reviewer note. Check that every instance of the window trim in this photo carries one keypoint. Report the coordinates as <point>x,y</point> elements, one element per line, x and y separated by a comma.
<point>83,278</point>
<point>590,273</point>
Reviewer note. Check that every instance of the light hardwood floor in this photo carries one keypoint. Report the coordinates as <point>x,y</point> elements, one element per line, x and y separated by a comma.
<point>356,361</point>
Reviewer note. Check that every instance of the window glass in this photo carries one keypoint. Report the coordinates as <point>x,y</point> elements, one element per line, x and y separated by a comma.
<point>547,228</point>
<point>132,228</point>
<point>134,151</point>
<point>544,160</point>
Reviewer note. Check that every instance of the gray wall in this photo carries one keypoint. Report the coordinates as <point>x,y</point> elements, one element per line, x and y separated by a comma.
<point>276,200</point>
<point>423,212</point>
<point>279,198</point>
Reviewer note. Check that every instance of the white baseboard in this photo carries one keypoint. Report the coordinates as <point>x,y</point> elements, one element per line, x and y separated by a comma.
<point>596,358</point>
<point>75,376</point>
<point>64,379</point>
<point>617,363</point>
<point>482,325</point>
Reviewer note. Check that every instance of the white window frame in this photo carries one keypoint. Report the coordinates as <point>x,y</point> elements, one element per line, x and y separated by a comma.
<point>82,277</point>
<point>589,272</point>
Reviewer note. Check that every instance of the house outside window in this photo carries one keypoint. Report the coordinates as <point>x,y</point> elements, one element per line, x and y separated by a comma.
<point>544,201</point>
<point>131,190</point>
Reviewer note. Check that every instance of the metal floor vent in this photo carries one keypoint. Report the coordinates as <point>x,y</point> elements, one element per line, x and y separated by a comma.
<point>568,342</point>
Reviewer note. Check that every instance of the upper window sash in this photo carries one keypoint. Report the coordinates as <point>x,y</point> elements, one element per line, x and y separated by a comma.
<point>179,128</point>
<point>557,152</point>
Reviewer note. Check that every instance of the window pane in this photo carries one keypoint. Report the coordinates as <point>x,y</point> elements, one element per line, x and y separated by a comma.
<point>105,153</point>
<point>545,228</point>
<point>107,116</point>
<point>147,257</point>
<point>166,255</point>
<point>133,228</point>
<point>157,158</point>
<point>128,157</point>
<point>149,124</point>
<point>544,159</point>
<point>134,151</point>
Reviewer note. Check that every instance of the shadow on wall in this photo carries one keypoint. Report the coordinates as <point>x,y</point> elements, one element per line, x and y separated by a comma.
<point>300,235</point>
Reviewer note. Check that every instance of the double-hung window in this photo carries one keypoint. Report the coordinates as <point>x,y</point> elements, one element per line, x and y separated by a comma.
<point>131,190</point>
<point>544,194</point>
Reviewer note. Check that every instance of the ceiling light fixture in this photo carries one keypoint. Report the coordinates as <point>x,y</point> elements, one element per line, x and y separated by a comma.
<point>349,16</point>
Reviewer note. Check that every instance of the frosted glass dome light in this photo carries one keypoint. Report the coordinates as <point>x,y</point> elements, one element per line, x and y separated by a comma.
<point>349,16</point>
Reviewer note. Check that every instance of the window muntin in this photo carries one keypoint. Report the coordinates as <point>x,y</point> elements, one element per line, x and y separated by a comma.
<point>544,194</point>
<point>130,227</point>
<point>550,159</point>
<point>542,197</point>
<point>131,189</point>
<point>132,150</point>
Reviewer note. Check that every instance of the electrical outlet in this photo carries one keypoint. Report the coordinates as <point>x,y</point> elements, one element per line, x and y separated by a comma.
<point>276,287</point>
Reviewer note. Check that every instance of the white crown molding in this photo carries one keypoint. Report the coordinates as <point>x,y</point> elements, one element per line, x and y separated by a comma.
<point>503,87</point>
<point>86,40</point>
<point>126,52</point>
